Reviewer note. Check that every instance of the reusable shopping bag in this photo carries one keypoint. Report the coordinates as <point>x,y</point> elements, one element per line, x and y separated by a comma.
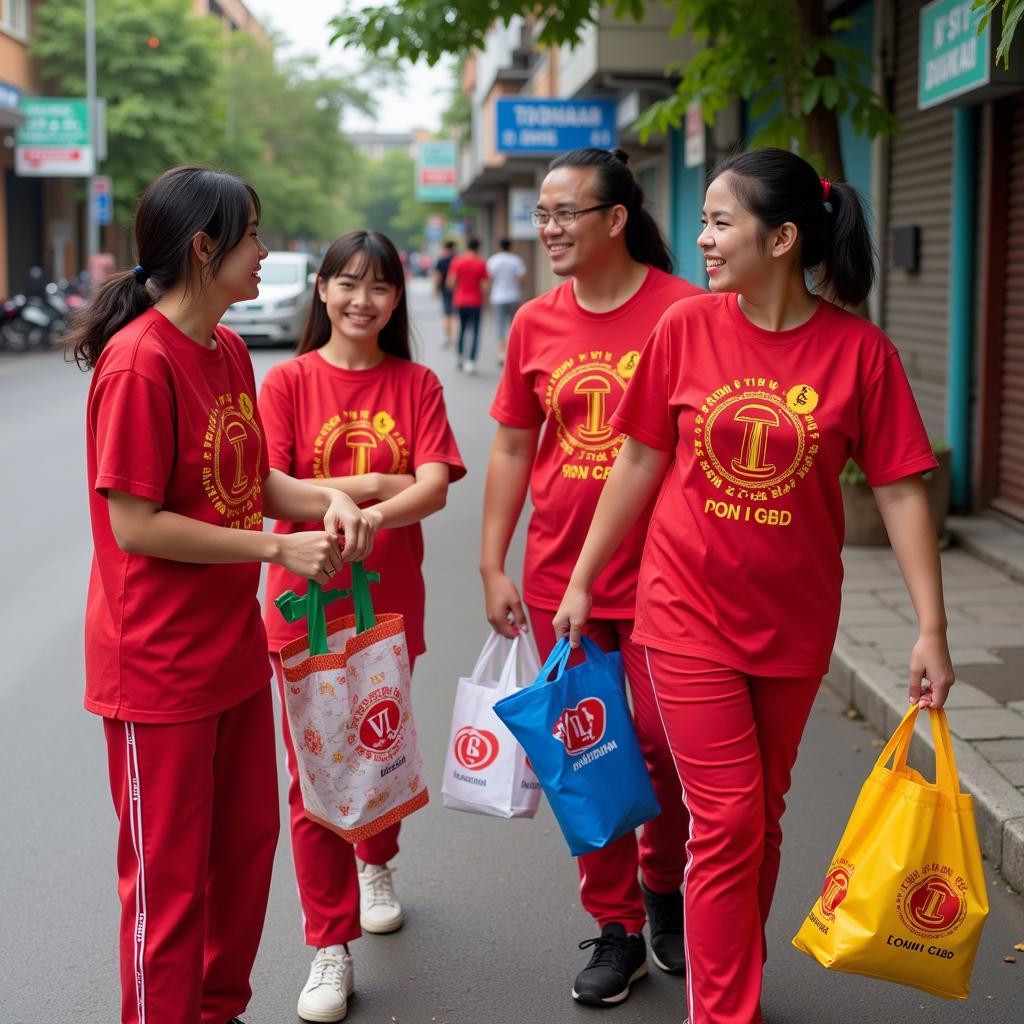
<point>904,898</point>
<point>485,769</point>
<point>579,736</point>
<point>347,701</point>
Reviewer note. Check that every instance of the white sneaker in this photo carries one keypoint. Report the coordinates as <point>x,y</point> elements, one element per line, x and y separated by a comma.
<point>330,983</point>
<point>379,909</point>
<point>469,368</point>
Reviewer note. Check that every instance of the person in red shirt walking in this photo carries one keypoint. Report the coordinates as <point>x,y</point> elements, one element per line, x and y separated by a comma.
<point>175,650</point>
<point>467,277</point>
<point>353,412</point>
<point>745,407</point>
<point>570,355</point>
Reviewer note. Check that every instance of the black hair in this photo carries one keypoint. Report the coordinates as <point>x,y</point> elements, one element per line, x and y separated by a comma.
<point>378,256</point>
<point>505,244</point>
<point>777,187</point>
<point>615,184</point>
<point>449,244</point>
<point>173,209</point>
<point>473,244</point>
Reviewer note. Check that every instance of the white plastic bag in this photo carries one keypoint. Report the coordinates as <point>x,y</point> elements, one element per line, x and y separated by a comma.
<point>485,770</point>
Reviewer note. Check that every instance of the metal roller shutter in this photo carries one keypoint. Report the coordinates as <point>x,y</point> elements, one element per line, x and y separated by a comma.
<point>1009,491</point>
<point>915,313</point>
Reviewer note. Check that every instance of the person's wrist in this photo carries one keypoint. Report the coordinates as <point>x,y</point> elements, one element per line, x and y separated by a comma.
<point>489,570</point>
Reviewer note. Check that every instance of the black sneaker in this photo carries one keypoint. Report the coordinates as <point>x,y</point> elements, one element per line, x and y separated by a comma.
<point>665,917</point>
<point>618,960</point>
<point>236,1020</point>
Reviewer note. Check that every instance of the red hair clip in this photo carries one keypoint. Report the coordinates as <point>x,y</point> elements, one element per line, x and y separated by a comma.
<point>826,189</point>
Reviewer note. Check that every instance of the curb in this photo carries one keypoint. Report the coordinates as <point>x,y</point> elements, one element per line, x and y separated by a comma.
<point>879,694</point>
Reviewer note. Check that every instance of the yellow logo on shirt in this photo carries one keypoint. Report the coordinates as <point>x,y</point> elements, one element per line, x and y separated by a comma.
<point>755,443</point>
<point>232,449</point>
<point>356,442</point>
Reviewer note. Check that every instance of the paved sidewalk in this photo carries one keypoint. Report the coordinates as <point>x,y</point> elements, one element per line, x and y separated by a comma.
<point>983,575</point>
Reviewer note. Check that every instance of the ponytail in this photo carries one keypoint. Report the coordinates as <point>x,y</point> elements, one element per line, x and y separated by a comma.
<point>615,184</point>
<point>779,187</point>
<point>177,206</point>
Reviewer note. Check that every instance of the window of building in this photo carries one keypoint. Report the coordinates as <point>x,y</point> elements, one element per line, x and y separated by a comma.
<point>14,16</point>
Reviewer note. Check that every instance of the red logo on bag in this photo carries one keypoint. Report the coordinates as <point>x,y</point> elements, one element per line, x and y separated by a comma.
<point>475,749</point>
<point>581,727</point>
<point>934,905</point>
<point>833,892</point>
<point>381,726</point>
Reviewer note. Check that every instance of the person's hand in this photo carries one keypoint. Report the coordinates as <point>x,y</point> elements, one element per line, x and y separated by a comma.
<point>345,519</point>
<point>931,671</point>
<point>572,614</point>
<point>503,605</point>
<point>391,484</point>
<point>312,554</point>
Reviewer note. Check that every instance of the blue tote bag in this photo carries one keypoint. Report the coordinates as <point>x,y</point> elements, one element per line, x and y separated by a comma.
<point>579,737</point>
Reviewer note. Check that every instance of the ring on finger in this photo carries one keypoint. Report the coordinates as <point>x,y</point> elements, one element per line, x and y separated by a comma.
<point>330,572</point>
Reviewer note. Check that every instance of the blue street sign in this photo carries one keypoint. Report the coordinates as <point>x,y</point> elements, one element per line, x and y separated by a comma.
<point>101,195</point>
<point>527,125</point>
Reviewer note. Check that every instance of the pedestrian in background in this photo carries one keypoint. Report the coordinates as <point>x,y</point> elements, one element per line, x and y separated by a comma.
<point>507,271</point>
<point>175,650</point>
<point>467,277</point>
<point>571,353</point>
<point>354,413</point>
<point>441,269</point>
<point>745,408</point>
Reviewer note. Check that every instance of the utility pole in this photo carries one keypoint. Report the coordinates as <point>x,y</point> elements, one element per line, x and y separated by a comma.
<point>93,233</point>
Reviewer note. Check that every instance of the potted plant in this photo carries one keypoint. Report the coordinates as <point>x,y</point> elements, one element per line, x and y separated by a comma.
<point>864,524</point>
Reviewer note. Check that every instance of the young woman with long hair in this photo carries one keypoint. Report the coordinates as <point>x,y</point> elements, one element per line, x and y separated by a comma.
<point>176,656</point>
<point>571,353</point>
<point>744,409</point>
<point>354,413</point>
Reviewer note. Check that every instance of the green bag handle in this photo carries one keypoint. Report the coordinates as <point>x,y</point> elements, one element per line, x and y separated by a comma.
<point>311,606</point>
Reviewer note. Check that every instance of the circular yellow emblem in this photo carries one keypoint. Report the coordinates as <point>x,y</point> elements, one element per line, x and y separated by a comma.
<point>627,364</point>
<point>245,404</point>
<point>802,398</point>
<point>383,423</point>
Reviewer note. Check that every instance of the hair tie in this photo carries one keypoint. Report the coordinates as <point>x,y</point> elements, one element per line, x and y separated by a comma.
<point>826,189</point>
<point>141,274</point>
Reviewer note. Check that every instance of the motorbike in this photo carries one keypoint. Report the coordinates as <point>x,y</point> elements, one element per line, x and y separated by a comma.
<point>39,318</point>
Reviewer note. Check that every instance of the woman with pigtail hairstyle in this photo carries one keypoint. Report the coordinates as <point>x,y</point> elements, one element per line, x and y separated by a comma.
<point>745,408</point>
<point>175,650</point>
<point>571,353</point>
<point>354,380</point>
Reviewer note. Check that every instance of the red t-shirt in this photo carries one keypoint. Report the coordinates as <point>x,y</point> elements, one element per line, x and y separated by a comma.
<point>323,421</point>
<point>742,564</point>
<point>469,271</point>
<point>176,423</point>
<point>567,369</point>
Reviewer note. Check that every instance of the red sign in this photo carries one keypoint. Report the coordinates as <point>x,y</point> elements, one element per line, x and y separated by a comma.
<point>381,726</point>
<point>475,749</point>
<point>437,175</point>
<point>581,727</point>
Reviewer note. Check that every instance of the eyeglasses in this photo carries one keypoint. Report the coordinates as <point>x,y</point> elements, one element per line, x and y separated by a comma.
<point>563,218</point>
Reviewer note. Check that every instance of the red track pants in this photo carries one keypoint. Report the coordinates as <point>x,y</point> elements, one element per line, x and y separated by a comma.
<point>197,807</point>
<point>734,738</point>
<point>609,890</point>
<point>325,864</point>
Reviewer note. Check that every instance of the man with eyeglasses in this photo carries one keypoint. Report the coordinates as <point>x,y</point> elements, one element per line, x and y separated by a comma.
<point>571,354</point>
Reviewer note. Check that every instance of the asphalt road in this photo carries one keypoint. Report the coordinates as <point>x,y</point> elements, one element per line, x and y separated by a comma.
<point>491,905</point>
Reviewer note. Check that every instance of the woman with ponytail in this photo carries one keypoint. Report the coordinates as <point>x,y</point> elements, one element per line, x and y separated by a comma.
<point>746,406</point>
<point>570,355</point>
<point>353,412</point>
<point>176,653</point>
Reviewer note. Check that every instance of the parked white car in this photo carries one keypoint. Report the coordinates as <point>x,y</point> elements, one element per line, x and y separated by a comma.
<point>287,280</point>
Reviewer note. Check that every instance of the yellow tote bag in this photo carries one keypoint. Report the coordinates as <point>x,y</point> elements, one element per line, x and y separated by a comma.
<point>904,898</point>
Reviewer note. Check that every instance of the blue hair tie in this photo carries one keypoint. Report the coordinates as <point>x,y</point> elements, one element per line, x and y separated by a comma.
<point>141,274</point>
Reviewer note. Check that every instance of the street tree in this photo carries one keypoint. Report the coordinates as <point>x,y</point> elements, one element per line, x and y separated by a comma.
<point>1011,12</point>
<point>157,67</point>
<point>787,57</point>
<point>283,133</point>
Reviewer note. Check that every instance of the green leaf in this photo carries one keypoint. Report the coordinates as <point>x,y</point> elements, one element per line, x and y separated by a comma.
<point>812,91</point>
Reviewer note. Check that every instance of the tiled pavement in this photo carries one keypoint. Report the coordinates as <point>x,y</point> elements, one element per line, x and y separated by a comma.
<point>985,608</point>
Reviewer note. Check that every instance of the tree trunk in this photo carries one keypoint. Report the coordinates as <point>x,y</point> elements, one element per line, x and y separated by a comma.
<point>822,124</point>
